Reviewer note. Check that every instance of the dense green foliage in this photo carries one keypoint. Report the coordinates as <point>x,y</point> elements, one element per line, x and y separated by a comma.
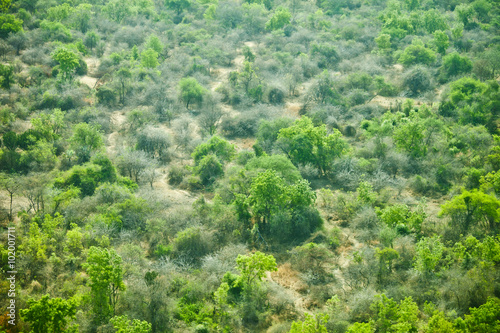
<point>251,165</point>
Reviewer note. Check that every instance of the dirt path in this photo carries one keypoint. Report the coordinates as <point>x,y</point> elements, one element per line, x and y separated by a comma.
<point>292,284</point>
<point>90,80</point>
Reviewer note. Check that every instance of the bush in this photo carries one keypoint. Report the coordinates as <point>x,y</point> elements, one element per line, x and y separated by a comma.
<point>275,96</point>
<point>176,175</point>
<point>417,80</point>
<point>192,244</point>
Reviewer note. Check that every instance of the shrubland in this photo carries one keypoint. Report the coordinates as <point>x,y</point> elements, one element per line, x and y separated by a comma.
<point>251,165</point>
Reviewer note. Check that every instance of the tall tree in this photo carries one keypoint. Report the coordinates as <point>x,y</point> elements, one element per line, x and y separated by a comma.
<point>105,272</point>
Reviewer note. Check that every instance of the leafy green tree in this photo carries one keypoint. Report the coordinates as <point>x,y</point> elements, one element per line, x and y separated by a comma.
<point>5,5</point>
<point>209,169</point>
<point>386,258</point>
<point>280,18</point>
<point>305,143</point>
<point>455,64</point>
<point>49,315</point>
<point>383,43</point>
<point>441,41</point>
<point>9,23</point>
<point>34,248</point>
<point>247,75</point>
<point>253,267</point>
<point>68,61</point>
<point>154,43</point>
<point>417,53</point>
<point>400,214</point>
<point>81,17</point>
<point>408,314</point>
<point>266,195</point>
<point>472,208</point>
<point>394,317</point>
<point>191,91</point>
<point>91,39</point>
<point>178,5</point>
<point>360,328</point>
<point>438,323</point>
<point>279,208</point>
<point>6,76</point>
<point>429,251</point>
<point>311,324</point>
<point>117,10</point>
<point>18,40</point>
<point>434,21</point>
<point>484,319</point>
<point>149,58</point>
<point>105,272</point>
<point>123,76</point>
<point>124,325</point>
<point>86,139</point>
<point>279,163</point>
<point>217,146</point>
<point>409,135</point>
<point>49,125</point>
<point>464,13</point>
<point>59,13</point>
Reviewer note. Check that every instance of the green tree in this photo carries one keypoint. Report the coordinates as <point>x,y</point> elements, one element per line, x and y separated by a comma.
<point>68,61</point>
<point>149,58</point>
<point>86,139</point>
<point>428,253</point>
<point>386,310</point>
<point>123,76</point>
<point>441,41</point>
<point>253,267</point>
<point>455,64</point>
<point>280,18</point>
<point>439,324</point>
<point>464,13</point>
<point>472,208</point>
<point>49,315</point>
<point>409,136</point>
<point>385,257</point>
<point>117,10</point>
<point>217,146</point>
<point>270,199</point>
<point>266,195</point>
<point>105,272</point>
<point>154,43</point>
<point>191,91</point>
<point>484,319</point>
<point>18,40</point>
<point>305,143</point>
<point>178,5</point>
<point>400,214</point>
<point>5,5</point>
<point>209,169</point>
<point>360,328</point>
<point>311,324</point>
<point>91,39</point>
<point>247,75</point>
<point>6,76</point>
<point>124,325</point>
<point>417,53</point>
<point>434,20</point>
<point>9,23</point>
<point>81,17</point>
<point>383,42</point>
